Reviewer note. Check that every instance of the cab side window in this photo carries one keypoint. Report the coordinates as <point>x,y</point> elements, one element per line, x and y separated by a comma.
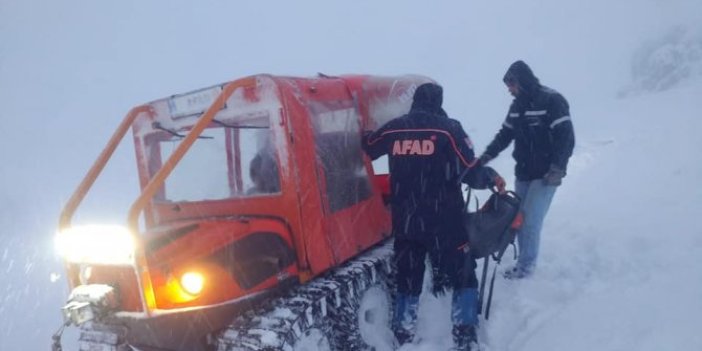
<point>338,145</point>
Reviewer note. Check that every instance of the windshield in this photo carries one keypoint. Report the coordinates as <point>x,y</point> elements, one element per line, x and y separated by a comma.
<point>231,159</point>
<point>238,153</point>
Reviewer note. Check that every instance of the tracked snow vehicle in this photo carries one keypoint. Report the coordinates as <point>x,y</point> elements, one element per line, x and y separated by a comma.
<point>260,223</point>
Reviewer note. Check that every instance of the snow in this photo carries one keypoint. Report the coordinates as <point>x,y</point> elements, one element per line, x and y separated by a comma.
<point>620,248</point>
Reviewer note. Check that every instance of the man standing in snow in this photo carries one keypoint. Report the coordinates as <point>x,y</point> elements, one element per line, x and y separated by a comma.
<point>539,123</point>
<point>427,153</point>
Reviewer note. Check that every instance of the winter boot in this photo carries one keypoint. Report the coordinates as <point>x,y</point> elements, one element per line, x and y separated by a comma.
<point>403,336</point>
<point>517,272</point>
<point>465,338</point>
<point>404,318</point>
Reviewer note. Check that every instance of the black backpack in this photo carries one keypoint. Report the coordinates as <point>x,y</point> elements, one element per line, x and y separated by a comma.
<point>493,227</point>
<point>490,230</point>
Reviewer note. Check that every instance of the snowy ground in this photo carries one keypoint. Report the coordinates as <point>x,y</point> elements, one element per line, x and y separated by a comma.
<point>620,248</point>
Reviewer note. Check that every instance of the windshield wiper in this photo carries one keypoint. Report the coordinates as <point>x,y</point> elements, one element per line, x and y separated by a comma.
<point>157,125</point>
<point>236,126</point>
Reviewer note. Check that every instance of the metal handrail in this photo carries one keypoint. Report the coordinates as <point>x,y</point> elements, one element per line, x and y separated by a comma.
<point>78,195</point>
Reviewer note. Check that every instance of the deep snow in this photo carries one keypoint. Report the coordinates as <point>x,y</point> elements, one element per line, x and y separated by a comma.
<point>620,246</point>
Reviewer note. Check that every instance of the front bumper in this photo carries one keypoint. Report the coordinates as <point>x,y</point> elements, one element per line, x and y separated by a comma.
<point>89,302</point>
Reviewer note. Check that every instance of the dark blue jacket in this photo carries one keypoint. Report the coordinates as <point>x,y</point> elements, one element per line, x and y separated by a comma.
<point>539,122</point>
<point>427,153</point>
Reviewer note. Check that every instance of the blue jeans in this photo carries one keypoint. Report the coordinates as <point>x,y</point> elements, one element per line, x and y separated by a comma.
<point>536,200</point>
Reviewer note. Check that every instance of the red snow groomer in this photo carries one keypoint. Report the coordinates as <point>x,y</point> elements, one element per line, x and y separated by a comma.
<point>259,224</point>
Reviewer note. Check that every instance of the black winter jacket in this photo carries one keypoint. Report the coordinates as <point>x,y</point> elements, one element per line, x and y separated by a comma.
<point>427,153</point>
<point>539,122</point>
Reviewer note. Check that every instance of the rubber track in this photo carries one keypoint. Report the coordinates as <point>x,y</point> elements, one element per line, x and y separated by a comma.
<point>282,321</point>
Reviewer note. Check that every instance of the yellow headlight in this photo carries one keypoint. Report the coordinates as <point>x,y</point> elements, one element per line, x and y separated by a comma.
<point>192,282</point>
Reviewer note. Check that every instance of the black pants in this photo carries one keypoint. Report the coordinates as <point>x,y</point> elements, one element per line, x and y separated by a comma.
<point>451,267</point>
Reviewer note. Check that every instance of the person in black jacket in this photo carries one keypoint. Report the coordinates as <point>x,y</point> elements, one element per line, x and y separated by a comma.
<point>427,153</point>
<point>539,122</point>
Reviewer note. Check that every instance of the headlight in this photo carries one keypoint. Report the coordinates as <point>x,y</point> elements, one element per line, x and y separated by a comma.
<point>192,282</point>
<point>97,244</point>
<point>185,287</point>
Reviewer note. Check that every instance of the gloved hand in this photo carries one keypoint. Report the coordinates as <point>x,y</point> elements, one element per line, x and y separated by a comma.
<point>500,184</point>
<point>554,176</point>
<point>485,178</point>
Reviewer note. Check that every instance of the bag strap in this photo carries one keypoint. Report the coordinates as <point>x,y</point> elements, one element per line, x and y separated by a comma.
<point>492,285</point>
<point>486,262</point>
<point>481,295</point>
<point>465,205</point>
